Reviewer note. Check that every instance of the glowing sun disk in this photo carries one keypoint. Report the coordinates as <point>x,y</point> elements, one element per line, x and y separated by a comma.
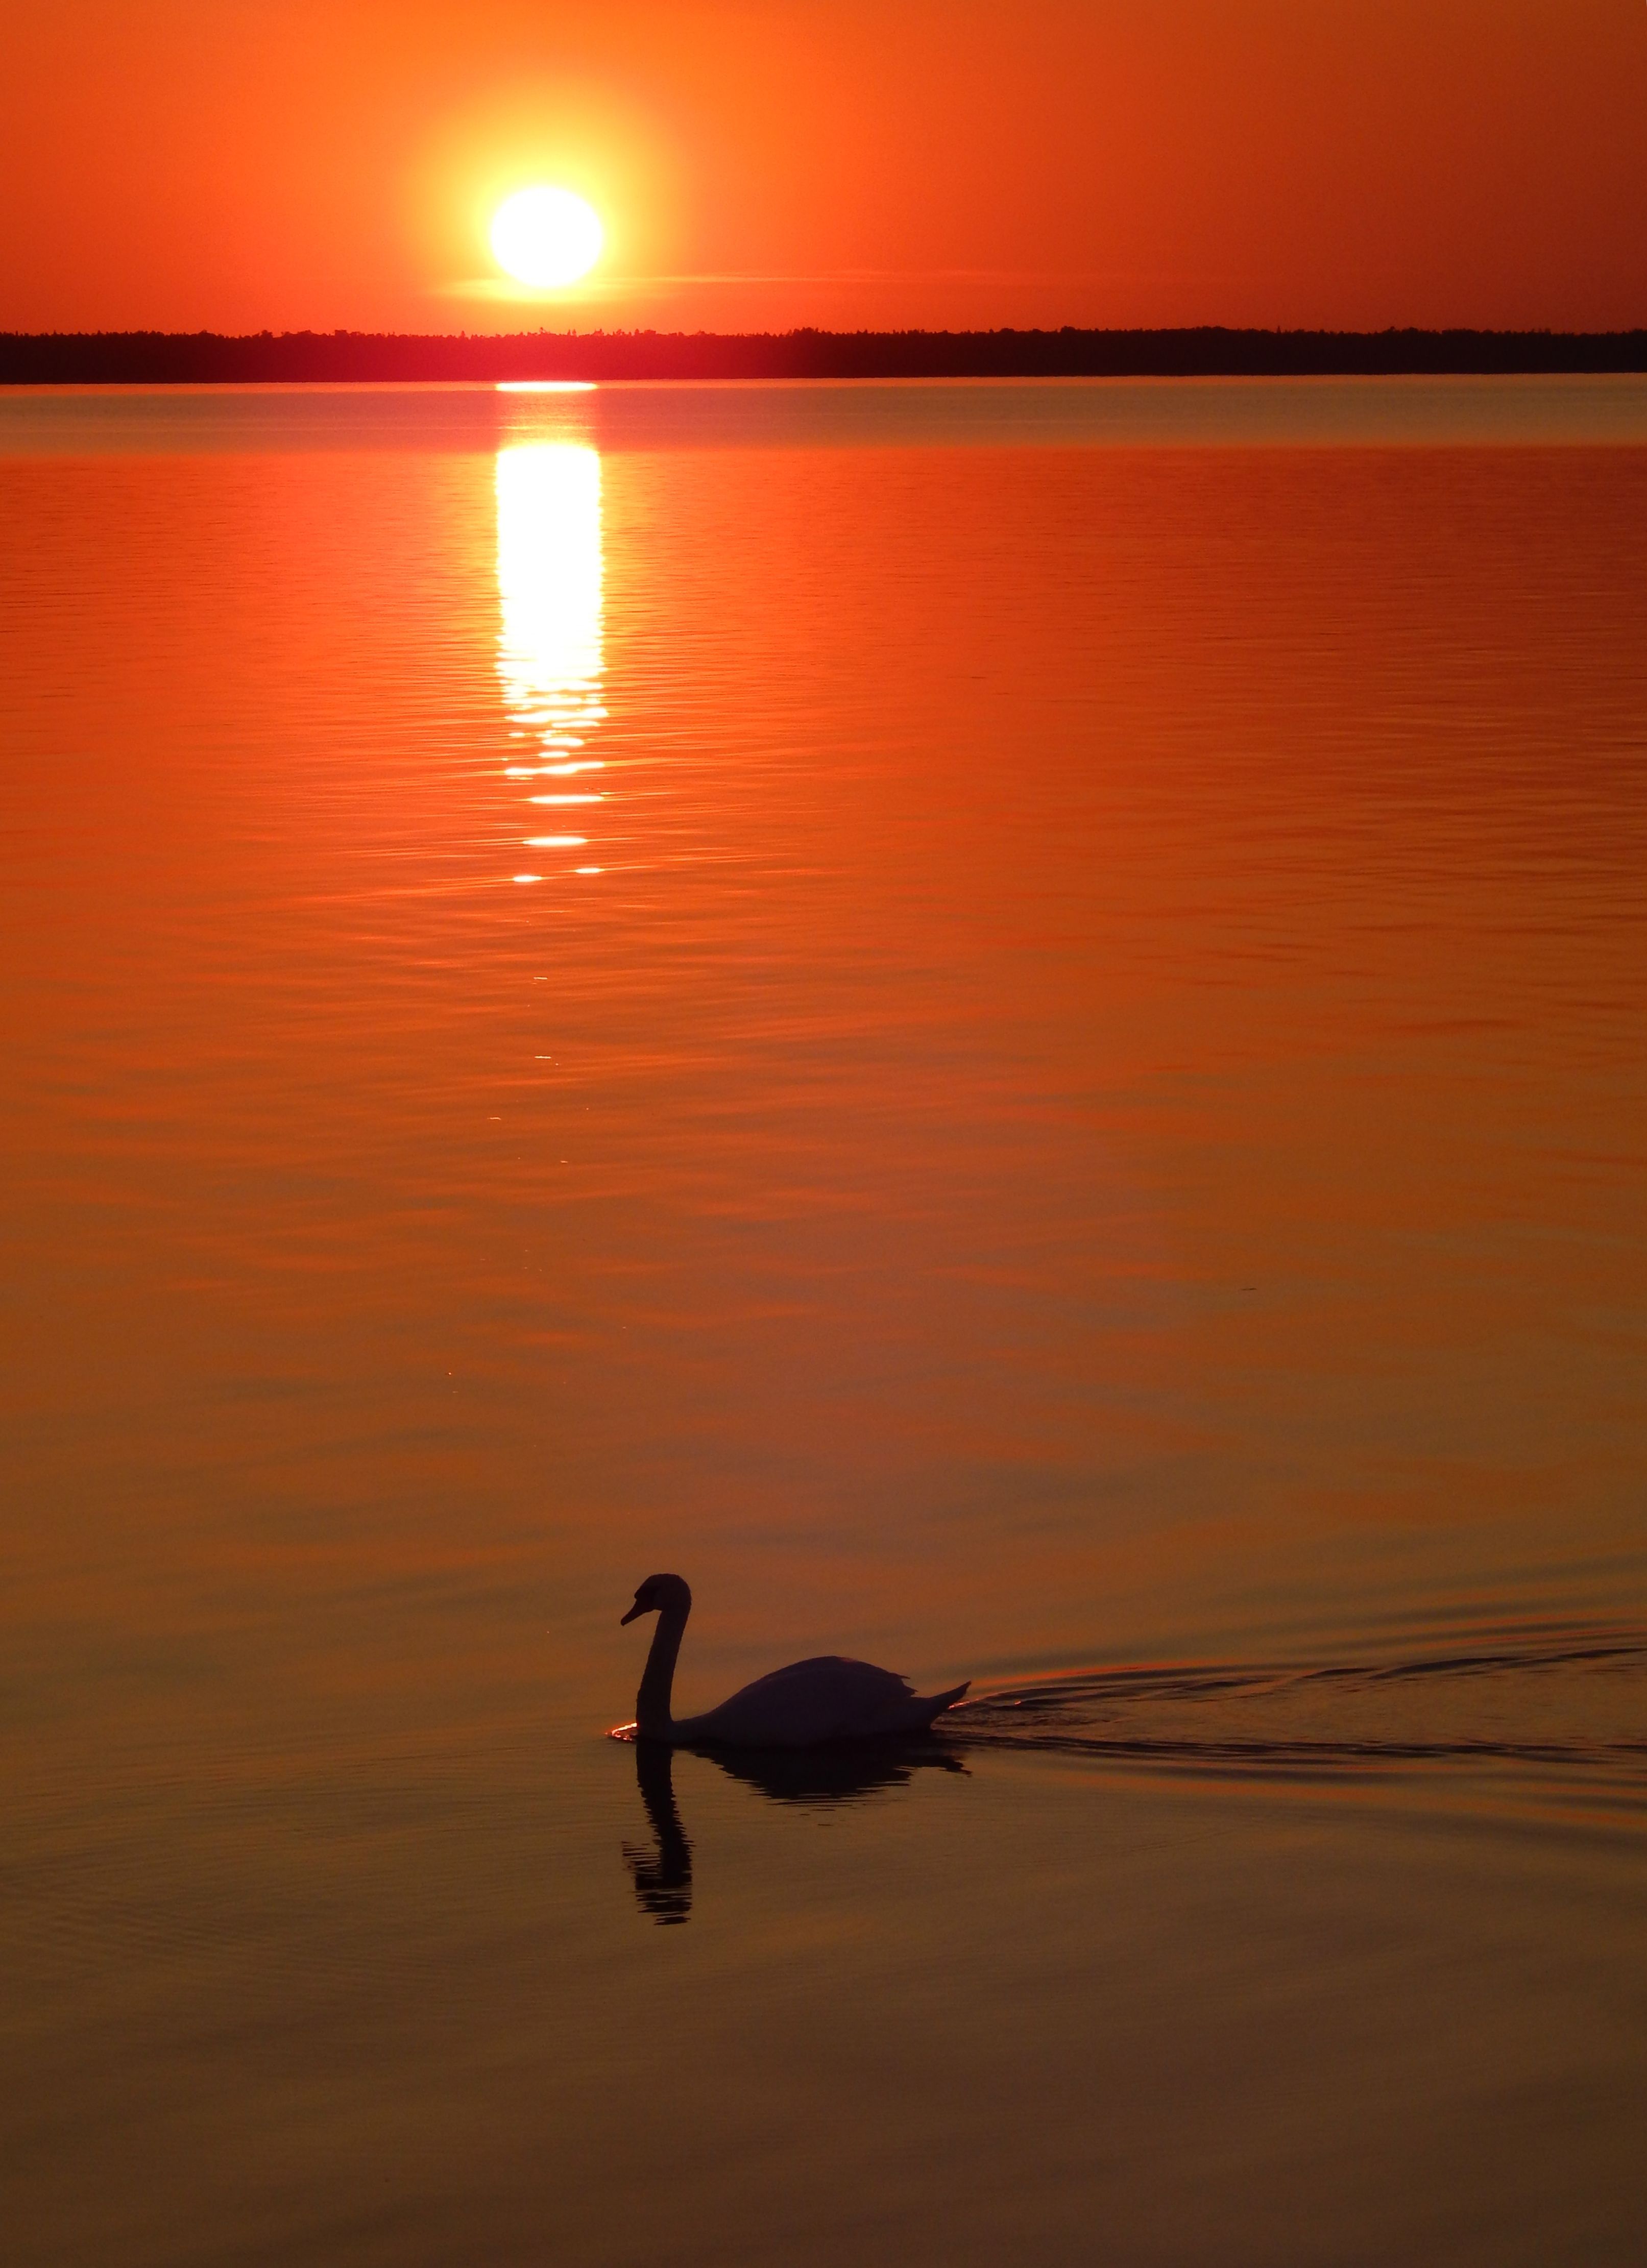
<point>544,237</point>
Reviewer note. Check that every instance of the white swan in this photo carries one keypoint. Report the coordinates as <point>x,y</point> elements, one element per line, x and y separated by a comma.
<point>828,1699</point>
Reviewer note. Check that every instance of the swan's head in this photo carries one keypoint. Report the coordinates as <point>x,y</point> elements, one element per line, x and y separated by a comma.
<point>656,1595</point>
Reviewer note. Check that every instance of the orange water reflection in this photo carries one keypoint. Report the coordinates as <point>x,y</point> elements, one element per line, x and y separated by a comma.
<point>1096,1112</point>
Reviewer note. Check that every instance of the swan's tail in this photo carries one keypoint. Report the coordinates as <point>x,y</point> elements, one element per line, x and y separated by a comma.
<point>940,1702</point>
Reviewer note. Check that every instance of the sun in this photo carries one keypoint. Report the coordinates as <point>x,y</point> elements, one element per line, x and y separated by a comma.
<point>543,236</point>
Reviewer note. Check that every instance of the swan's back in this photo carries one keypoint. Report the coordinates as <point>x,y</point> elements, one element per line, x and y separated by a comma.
<point>828,1698</point>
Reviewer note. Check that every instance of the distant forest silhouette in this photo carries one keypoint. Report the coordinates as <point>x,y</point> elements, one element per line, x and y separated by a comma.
<point>206,357</point>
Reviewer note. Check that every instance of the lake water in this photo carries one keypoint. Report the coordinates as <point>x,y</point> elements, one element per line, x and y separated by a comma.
<point>1007,1024</point>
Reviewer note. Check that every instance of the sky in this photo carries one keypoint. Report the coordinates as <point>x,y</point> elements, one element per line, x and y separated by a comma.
<point>252,164</point>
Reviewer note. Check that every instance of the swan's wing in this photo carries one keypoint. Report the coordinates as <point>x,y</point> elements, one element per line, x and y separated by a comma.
<point>829,1698</point>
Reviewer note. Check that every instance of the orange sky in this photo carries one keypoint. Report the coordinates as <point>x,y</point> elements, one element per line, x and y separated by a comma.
<point>253,164</point>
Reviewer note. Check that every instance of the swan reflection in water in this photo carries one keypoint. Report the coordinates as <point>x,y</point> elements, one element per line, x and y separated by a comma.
<point>847,1773</point>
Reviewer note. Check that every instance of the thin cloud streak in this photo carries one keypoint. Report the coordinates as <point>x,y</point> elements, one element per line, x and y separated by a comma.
<point>498,289</point>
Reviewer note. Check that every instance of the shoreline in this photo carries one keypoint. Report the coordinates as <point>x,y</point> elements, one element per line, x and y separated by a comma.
<point>298,358</point>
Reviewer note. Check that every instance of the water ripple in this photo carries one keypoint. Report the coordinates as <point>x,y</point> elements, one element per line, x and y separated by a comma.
<point>1569,1718</point>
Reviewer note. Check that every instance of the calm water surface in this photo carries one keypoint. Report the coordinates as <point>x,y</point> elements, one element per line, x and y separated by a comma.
<point>1008,1023</point>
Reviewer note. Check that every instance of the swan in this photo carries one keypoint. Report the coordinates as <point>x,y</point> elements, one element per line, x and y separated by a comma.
<point>827,1699</point>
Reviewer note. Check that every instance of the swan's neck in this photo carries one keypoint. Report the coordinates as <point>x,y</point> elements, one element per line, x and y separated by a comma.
<point>651,1703</point>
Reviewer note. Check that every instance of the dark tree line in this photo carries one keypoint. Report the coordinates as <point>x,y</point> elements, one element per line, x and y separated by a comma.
<point>152,357</point>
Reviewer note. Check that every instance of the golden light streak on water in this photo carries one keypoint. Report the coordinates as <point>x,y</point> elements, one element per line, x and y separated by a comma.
<point>549,573</point>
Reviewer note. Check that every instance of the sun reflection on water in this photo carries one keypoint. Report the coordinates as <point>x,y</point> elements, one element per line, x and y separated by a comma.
<point>549,645</point>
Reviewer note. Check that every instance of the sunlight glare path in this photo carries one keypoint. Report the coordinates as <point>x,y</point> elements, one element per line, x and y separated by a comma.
<point>549,644</point>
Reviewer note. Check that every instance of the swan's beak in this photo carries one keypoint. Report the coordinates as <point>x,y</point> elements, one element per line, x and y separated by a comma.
<point>636,1609</point>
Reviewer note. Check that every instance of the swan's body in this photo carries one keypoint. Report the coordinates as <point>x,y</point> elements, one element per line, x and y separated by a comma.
<point>829,1698</point>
